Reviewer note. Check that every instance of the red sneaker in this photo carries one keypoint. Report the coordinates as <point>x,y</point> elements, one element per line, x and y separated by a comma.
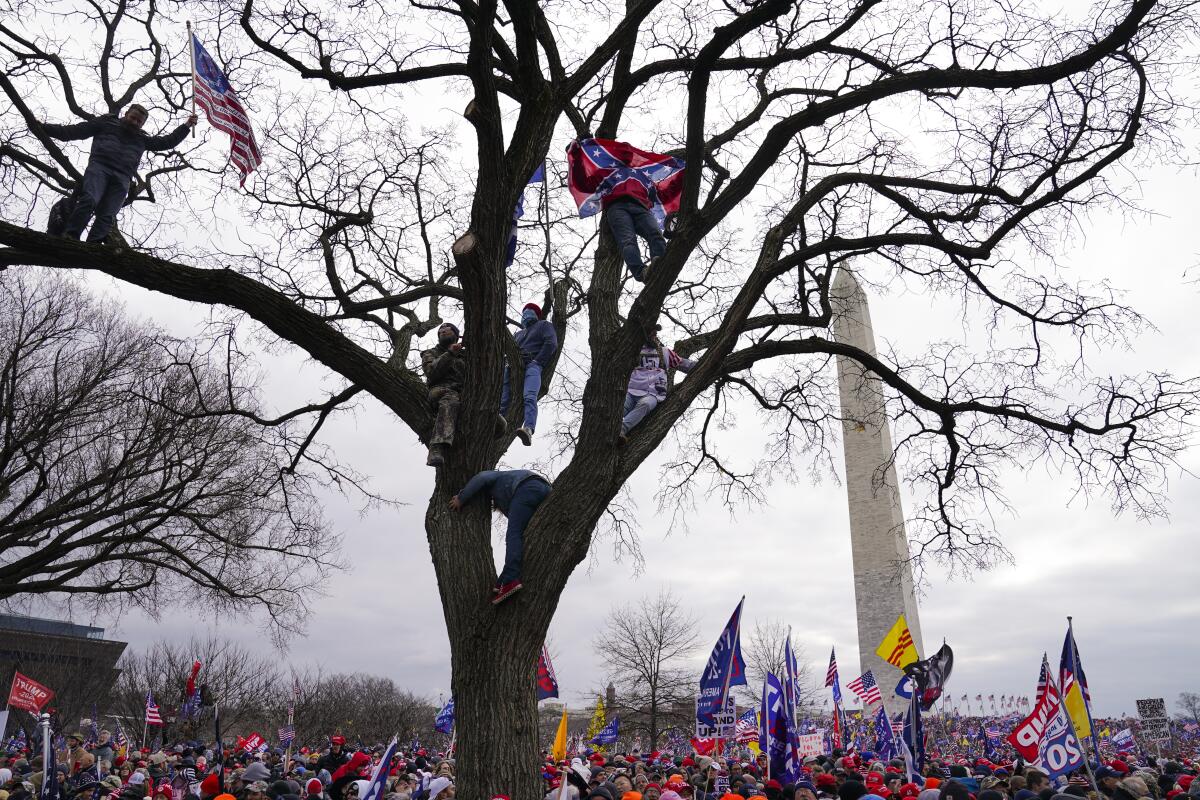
<point>502,593</point>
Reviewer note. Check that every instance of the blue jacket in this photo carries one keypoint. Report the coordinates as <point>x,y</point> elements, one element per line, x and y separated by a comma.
<point>502,484</point>
<point>538,343</point>
<point>116,145</point>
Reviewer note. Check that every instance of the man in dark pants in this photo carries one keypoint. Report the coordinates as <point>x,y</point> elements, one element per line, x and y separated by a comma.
<point>517,493</point>
<point>117,148</point>
<point>628,218</point>
<point>445,371</point>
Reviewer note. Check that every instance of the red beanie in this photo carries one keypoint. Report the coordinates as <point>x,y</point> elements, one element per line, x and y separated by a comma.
<point>211,784</point>
<point>536,309</point>
<point>311,789</point>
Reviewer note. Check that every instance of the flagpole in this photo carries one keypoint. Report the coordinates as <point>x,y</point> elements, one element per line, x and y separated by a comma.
<point>1078,672</point>
<point>1062,709</point>
<point>192,52</point>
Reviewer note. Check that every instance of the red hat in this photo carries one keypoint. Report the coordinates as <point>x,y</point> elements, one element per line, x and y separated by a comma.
<point>310,789</point>
<point>211,784</point>
<point>536,309</point>
<point>910,790</point>
<point>825,779</point>
<point>1119,766</point>
<point>874,779</point>
<point>774,784</point>
<point>338,740</point>
<point>688,762</point>
<point>894,770</point>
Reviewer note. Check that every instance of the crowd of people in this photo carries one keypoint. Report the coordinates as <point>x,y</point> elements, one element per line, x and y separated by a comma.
<point>97,769</point>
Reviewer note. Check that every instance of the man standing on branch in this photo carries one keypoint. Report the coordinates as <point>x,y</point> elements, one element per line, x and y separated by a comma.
<point>117,148</point>
<point>444,370</point>
<point>516,494</point>
<point>538,342</point>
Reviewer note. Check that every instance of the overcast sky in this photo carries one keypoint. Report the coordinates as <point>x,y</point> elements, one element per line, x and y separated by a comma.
<point>1129,583</point>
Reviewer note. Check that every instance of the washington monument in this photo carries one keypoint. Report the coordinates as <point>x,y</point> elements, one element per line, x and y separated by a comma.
<point>883,583</point>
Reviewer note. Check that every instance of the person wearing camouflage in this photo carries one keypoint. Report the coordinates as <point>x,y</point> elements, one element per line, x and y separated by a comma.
<point>445,371</point>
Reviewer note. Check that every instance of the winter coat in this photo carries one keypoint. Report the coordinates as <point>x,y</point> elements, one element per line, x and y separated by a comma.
<point>538,343</point>
<point>500,484</point>
<point>116,145</point>
<point>443,368</point>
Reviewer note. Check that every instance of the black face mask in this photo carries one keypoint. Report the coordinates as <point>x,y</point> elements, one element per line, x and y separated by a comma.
<point>447,339</point>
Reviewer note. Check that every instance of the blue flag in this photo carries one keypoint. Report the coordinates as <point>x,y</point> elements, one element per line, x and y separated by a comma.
<point>379,777</point>
<point>885,740</point>
<point>777,736</point>
<point>547,684</point>
<point>539,176</point>
<point>607,734</point>
<point>725,668</point>
<point>904,687</point>
<point>912,744</point>
<point>444,723</point>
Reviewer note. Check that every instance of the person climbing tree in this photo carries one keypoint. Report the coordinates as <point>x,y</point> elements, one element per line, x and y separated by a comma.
<point>538,342</point>
<point>117,148</point>
<point>635,188</point>
<point>444,370</point>
<point>648,381</point>
<point>516,493</point>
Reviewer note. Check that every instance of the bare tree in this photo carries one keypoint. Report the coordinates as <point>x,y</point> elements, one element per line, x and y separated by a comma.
<point>945,145</point>
<point>1189,704</point>
<point>241,683</point>
<point>121,481</point>
<point>764,652</point>
<point>645,647</point>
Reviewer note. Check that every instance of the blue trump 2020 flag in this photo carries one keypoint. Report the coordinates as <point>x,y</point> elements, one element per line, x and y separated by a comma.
<point>885,739</point>
<point>380,774</point>
<point>608,734</point>
<point>777,737</point>
<point>725,668</point>
<point>444,723</point>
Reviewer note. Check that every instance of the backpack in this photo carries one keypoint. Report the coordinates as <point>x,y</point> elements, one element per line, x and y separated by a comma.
<point>59,213</point>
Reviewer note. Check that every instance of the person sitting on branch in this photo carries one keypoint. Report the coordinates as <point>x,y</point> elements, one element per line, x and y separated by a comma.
<point>445,370</point>
<point>117,148</point>
<point>635,188</point>
<point>648,382</point>
<point>538,342</point>
<point>516,494</point>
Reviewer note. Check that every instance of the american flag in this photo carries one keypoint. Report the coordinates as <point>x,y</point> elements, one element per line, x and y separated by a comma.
<point>865,687</point>
<point>746,729</point>
<point>224,111</point>
<point>1043,679</point>
<point>287,734</point>
<point>831,673</point>
<point>120,740</point>
<point>152,715</point>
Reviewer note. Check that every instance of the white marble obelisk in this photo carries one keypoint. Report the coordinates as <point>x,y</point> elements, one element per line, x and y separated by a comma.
<point>883,582</point>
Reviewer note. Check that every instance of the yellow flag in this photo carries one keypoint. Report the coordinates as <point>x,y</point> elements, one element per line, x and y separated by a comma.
<point>897,647</point>
<point>559,751</point>
<point>1077,708</point>
<point>754,748</point>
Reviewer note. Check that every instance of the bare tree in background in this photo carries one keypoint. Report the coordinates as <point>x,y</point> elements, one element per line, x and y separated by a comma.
<point>763,651</point>
<point>242,683</point>
<point>939,146</point>
<point>1189,704</point>
<point>122,482</point>
<point>646,647</point>
<point>363,708</point>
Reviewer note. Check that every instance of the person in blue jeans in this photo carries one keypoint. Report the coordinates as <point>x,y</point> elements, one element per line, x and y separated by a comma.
<point>117,148</point>
<point>516,493</point>
<point>628,219</point>
<point>538,342</point>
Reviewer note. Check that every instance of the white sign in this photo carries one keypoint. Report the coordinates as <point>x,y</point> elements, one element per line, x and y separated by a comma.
<point>811,744</point>
<point>724,723</point>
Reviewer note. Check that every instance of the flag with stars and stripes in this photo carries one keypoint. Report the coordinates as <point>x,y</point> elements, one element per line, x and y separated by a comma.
<point>287,734</point>
<point>865,687</point>
<point>152,715</point>
<point>224,110</point>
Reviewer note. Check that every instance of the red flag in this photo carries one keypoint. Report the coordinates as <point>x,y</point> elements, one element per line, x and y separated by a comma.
<point>28,694</point>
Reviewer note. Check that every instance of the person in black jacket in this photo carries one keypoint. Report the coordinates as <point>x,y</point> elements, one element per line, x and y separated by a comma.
<point>117,148</point>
